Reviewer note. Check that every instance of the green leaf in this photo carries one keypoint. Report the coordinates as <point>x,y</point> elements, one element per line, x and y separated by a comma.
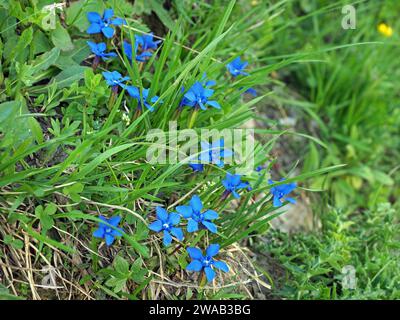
<point>77,11</point>
<point>23,41</point>
<point>162,14</point>
<point>51,209</point>
<point>67,77</point>
<point>116,283</point>
<point>61,38</point>
<point>121,265</point>
<point>47,59</point>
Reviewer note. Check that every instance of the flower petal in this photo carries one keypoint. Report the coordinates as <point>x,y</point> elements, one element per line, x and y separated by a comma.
<point>156,226</point>
<point>101,46</point>
<point>162,214</point>
<point>167,238</point>
<point>99,233</point>
<point>117,232</point>
<point>277,202</point>
<point>114,221</point>
<point>118,21</point>
<point>197,166</point>
<point>185,211</point>
<point>210,215</point>
<point>196,204</point>
<point>103,225</point>
<point>94,28</point>
<point>133,92</point>
<point>108,32</point>
<point>128,49</point>
<point>214,104</point>
<point>242,185</point>
<point>210,226</point>
<point>221,265</point>
<point>212,250</point>
<point>235,194</point>
<point>291,200</point>
<point>174,218</point>
<point>94,17</point>
<point>177,233</point>
<point>92,45</point>
<point>195,265</point>
<point>195,253</point>
<point>109,239</point>
<point>192,226</point>
<point>108,14</point>
<point>210,273</point>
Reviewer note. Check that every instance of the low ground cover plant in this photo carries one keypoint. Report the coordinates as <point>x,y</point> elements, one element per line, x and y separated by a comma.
<point>132,160</point>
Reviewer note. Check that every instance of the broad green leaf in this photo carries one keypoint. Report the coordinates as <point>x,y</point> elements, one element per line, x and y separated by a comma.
<point>61,38</point>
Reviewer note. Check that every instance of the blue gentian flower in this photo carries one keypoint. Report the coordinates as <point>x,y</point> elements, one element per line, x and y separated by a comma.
<point>134,93</point>
<point>115,79</point>
<point>207,262</point>
<point>106,232</point>
<point>146,42</point>
<point>197,96</point>
<point>233,183</point>
<point>139,57</point>
<point>212,153</point>
<point>99,50</point>
<point>280,192</point>
<point>236,67</point>
<point>193,213</point>
<point>166,223</point>
<point>197,166</point>
<point>251,91</point>
<point>103,24</point>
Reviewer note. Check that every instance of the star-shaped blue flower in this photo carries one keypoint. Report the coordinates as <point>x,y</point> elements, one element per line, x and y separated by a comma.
<point>146,42</point>
<point>193,213</point>
<point>115,79</point>
<point>236,67</point>
<point>166,222</point>
<point>106,232</point>
<point>215,152</point>
<point>207,262</point>
<point>139,57</point>
<point>212,153</point>
<point>103,23</point>
<point>198,96</point>
<point>99,50</point>
<point>280,192</point>
<point>134,93</point>
<point>233,183</point>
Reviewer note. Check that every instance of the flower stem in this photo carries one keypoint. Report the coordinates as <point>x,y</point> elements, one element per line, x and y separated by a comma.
<point>203,280</point>
<point>96,62</point>
<point>192,118</point>
<point>137,113</point>
<point>113,97</point>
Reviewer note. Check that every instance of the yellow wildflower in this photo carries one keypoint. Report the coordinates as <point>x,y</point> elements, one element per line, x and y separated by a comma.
<point>384,29</point>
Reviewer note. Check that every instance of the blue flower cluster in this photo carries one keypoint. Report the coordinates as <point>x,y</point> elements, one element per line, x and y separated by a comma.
<point>143,47</point>
<point>211,153</point>
<point>197,218</point>
<point>198,96</point>
<point>236,67</point>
